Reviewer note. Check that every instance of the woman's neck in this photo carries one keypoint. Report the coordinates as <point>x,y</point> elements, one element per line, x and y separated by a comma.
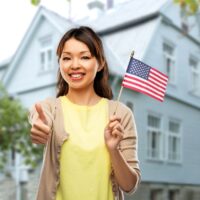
<point>88,98</point>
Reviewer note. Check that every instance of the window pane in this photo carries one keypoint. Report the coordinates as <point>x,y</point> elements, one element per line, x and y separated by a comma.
<point>193,63</point>
<point>153,121</point>
<point>173,194</point>
<point>195,74</point>
<point>156,194</point>
<point>49,55</point>
<point>168,49</point>
<point>42,58</point>
<point>174,127</point>
<point>129,104</point>
<point>174,141</point>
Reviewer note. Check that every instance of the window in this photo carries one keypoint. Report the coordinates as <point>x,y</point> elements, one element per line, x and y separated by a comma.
<point>156,194</point>
<point>46,59</point>
<point>46,53</point>
<point>173,194</point>
<point>174,141</point>
<point>169,61</point>
<point>195,75</point>
<point>130,105</point>
<point>154,138</point>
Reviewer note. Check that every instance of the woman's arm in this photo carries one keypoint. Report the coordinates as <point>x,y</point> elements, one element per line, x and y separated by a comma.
<point>126,177</point>
<point>121,144</point>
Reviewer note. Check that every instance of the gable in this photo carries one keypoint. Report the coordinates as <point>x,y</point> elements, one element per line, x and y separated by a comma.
<point>23,72</point>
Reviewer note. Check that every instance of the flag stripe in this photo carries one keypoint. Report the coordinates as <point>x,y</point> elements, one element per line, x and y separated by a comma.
<point>143,91</point>
<point>150,82</point>
<point>144,82</point>
<point>145,87</point>
<point>153,76</point>
<point>160,74</point>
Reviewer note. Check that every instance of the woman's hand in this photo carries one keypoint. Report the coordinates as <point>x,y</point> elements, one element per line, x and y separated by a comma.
<point>113,133</point>
<point>40,131</point>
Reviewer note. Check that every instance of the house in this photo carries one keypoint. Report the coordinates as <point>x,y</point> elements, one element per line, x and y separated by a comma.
<point>168,132</point>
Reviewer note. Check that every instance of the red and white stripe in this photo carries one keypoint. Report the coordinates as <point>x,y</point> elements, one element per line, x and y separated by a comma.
<point>155,86</point>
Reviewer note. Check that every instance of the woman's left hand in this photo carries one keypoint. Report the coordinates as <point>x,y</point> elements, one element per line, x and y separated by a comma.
<point>113,133</point>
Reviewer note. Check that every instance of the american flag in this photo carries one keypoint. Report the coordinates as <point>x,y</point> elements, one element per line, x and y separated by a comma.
<point>145,79</point>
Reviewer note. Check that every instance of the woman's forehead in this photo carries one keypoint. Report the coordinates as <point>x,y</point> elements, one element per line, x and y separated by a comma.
<point>75,45</point>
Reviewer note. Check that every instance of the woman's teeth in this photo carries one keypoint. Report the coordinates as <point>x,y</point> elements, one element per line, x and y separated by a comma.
<point>76,75</point>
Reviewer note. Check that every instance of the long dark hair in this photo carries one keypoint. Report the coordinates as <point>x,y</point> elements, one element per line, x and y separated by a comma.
<point>93,42</point>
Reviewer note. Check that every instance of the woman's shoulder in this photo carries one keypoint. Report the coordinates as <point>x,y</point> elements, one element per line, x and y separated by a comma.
<point>49,102</point>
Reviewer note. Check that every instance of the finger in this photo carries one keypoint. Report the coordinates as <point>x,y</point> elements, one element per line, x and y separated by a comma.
<point>38,139</point>
<point>117,133</point>
<point>38,133</point>
<point>118,127</point>
<point>42,127</point>
<point>114,118</point>
<point>113,124</point>
<point>40,112</point>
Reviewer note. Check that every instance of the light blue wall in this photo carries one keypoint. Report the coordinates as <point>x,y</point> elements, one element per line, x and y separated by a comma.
<point>187,172</point>
<point>184,47</point>
<point>27,74</point>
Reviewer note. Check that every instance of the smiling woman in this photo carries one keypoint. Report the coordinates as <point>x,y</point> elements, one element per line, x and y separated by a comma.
<point>90,153</point>
<point>78,66</point>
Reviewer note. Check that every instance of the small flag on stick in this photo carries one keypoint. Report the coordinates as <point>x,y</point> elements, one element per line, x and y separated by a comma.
<point>145,79</point>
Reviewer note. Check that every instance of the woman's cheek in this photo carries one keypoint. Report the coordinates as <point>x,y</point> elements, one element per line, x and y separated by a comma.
<point>63,74</point>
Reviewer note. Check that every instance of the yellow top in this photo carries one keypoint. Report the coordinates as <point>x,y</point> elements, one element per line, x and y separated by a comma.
<point>84,161</point>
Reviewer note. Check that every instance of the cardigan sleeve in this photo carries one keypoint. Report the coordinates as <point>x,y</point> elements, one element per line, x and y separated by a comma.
<point>129,143</point>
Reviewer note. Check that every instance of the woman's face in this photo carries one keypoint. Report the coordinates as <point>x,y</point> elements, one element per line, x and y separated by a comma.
<point>77,66</point>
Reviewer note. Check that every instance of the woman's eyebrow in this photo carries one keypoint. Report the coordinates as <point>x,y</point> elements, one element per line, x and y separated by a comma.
<point>81,52</point>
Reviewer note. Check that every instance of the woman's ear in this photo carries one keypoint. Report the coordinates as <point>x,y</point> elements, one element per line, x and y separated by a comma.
<point>100,68</point>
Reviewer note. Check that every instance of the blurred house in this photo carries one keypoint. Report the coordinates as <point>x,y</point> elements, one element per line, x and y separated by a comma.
<point>168,132</point>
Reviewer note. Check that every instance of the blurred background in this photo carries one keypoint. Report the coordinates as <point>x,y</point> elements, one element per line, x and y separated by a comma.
<point>165,34</point>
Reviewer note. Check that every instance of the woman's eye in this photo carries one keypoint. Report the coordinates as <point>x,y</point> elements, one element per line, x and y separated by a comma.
<point>66,58</point>
<point>85,57</point>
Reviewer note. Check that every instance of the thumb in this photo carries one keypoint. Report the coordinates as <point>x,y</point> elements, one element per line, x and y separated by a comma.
<point>40,112</point>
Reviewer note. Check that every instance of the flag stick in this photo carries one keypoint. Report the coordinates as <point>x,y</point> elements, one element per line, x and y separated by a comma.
<point>120,92</point>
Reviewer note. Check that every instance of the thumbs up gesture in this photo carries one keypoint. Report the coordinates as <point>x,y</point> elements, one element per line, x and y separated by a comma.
<point>40,130</point>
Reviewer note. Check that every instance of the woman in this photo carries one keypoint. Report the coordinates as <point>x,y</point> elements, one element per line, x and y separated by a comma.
<point>90,153</point>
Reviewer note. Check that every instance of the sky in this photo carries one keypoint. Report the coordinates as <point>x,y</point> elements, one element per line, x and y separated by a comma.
<point>16,16</point>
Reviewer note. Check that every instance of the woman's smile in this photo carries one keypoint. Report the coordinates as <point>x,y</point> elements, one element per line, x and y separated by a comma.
<point>76,76</point>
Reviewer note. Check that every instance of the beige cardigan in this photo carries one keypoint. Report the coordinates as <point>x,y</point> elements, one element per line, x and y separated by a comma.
<point>49,178</point>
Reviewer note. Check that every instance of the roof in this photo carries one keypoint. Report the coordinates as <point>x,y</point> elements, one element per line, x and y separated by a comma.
<point>131,10</point>
<point>5,63</point>
<point>135,39</point>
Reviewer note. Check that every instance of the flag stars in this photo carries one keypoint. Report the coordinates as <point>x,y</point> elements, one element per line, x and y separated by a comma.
<point>138,68</point>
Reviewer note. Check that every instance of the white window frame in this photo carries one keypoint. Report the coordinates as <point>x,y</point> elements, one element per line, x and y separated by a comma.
<point>46,46</point>
<point>171,73</point>
<point>155,154</point>
<point>48,64</point>
<point>174,157</point>
<point>195,87</point>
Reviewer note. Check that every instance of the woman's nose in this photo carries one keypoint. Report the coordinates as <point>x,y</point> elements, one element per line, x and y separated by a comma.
<point>75,64</point>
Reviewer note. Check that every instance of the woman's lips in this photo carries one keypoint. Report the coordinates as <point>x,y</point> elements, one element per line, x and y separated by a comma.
<point>76,76</point>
